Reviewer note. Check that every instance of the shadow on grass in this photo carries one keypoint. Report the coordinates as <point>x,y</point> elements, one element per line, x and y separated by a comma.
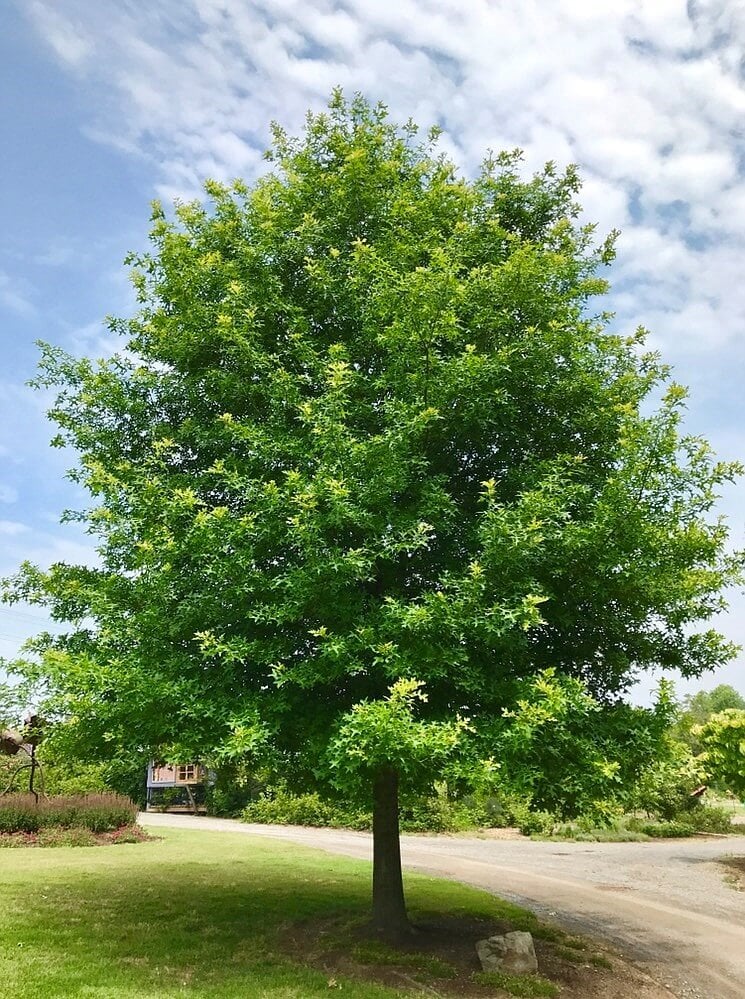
<point>194,914</point>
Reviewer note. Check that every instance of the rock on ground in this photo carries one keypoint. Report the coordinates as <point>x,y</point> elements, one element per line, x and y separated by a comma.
<point>514,952</point>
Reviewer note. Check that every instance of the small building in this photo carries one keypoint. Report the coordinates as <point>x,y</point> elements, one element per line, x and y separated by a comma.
<point>176,787</point>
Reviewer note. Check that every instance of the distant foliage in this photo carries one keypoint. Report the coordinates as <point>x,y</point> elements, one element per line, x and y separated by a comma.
<point>281,807</point>
<point>698,708</point>
<point>723,741</point>
<point>666,782</point>
<point>562,751</point>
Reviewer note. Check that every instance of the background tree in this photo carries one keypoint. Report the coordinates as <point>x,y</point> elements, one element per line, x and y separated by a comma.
<point>723,741</point>
<point>697,708</point>
<point>367,462</point>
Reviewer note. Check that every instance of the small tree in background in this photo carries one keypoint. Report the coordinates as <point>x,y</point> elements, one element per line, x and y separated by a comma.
<point>723,741</point>
<point>369,461</point>
<point>699,707</point>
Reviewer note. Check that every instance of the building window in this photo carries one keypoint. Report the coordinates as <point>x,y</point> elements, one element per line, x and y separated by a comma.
<point>186,772</point>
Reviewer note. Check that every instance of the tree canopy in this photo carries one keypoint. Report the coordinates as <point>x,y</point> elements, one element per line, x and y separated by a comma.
<point>367,460</point>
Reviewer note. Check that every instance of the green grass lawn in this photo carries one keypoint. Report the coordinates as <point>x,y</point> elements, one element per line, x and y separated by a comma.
<point>192,914</point>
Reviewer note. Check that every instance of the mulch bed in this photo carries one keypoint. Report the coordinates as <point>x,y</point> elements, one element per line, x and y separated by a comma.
<point>441,960</point>
<point>55,836</point>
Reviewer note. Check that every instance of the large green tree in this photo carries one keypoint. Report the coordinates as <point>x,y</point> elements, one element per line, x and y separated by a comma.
<point>367,460</point>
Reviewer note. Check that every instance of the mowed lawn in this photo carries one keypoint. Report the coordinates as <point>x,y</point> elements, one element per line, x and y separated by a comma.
<point>192,914</point>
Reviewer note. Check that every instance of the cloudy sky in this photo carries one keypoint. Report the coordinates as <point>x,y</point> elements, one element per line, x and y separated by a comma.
<point>108,104</point>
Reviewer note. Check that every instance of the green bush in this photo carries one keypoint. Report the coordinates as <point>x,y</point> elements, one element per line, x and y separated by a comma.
<point>95,812</point>
<point>666,830</point>
<point>86,778</point>
<point>618,832</point>
<point>709,818</point>
<point>438,813</point>
<point>703,818</point>
<point>537,823</point>
<point>664,787</point>
<point>281,807</point>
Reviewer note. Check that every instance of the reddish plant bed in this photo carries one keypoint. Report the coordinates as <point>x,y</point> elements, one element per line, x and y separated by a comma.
<point>75,836</point>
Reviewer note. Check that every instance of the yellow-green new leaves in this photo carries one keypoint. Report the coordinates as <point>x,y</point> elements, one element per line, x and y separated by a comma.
<point>387,733</point>
<point>723,739</point>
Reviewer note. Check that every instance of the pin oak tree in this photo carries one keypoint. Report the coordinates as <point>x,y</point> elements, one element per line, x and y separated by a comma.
<point>367,459</point>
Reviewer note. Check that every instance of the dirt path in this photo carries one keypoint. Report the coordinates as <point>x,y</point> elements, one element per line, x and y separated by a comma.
<point>665,905</point>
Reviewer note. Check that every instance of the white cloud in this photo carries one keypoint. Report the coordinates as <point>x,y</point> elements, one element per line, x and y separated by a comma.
<point>648,98</point>
<point>67,38</point>
<point>12,527</point>
<point>44,548</point>
<point>14,296</point>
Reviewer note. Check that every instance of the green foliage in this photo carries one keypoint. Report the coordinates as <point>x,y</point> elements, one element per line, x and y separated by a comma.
<point>631,828</point>
<point>664,786</point>
<point>96,812</point>
<point>437,812</point>
<point>81,778</point>
<point>580,833</point>
<point>386,732</point>
<point>709,818</point>
<point>227,794</point>
<point>367,440</point>
<point>281,807</point>
<point>536,823</point>
<point>697,708</point>
<point>723,741</point>
<point>563,752</point>
<point>673,829</point>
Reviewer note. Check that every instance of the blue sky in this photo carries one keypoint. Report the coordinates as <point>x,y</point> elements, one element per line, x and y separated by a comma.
<point>108,105</point>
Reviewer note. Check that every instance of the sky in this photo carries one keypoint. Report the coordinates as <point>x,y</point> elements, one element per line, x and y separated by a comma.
<point>108,105</point>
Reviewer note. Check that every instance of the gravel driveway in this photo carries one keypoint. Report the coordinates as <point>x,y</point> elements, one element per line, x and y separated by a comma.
<point>666,905</point>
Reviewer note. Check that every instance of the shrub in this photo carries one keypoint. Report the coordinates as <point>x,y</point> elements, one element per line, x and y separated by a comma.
<point>96,812</point>
<point>281,807</point>
<point>617,833</point>
<point>62,779</point>
<point>537,823</point>
<point>667,830</point>
<point>438,813</point>
<point>664,787</point>
<point>709,818</point>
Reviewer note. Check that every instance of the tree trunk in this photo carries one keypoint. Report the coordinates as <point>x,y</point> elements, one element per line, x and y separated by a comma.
<point>389,908</point>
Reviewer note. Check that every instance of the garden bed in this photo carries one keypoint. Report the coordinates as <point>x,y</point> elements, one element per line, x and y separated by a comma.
<point>74,836</point>
<point>441,959</point>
